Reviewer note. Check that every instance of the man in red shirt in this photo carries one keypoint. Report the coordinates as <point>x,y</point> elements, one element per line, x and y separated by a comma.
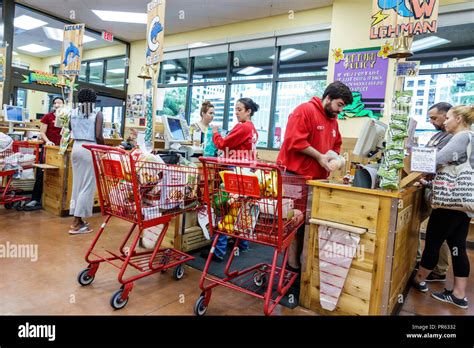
<point>51,135</point>
<point>312,131</point>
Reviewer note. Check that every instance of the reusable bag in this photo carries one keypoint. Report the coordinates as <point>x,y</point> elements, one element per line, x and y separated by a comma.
<point>453,186</point>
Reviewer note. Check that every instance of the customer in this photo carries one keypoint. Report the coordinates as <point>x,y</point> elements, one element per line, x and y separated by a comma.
<point>86,126</point>
<point>51,135</point>
<point>437,114</point>
<point>201,127</point>
<point>450,225</point>
<point>240,143</point>
<point>312,131</point>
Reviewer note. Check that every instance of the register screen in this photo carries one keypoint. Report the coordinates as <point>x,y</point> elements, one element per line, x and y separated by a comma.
<point>175,129</point>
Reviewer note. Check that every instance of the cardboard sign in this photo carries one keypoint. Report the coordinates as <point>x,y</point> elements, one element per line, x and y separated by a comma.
<point>392,18</point>
<point>423,159</point>
<point>71,55</point>
<point>155,32</point>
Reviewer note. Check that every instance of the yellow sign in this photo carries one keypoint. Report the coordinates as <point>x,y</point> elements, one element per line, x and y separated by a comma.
<point>392,18</point>
<point>72,50</point>
<point>155,32</point>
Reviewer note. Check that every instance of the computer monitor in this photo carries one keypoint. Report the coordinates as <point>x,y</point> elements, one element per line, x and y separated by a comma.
<point>371,138</point>
<point>176,129</point>
<point>15,114</point>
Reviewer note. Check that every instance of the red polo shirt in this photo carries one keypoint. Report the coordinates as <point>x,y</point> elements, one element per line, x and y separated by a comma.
<point>53,133</point>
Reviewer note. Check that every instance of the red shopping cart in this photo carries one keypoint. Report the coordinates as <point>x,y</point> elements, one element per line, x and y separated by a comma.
<point>21,155</point>
<point>256,202</point>
<point>146,194</point>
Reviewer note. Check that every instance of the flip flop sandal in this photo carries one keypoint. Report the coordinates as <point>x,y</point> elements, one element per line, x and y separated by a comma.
<point>83,230</point>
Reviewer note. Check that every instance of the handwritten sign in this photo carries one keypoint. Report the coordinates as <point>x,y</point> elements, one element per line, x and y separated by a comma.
<point>423,159</point>
<point>155,32</point>
<point>364,71</point>
<point>392,18</point>
<point>72,50</point>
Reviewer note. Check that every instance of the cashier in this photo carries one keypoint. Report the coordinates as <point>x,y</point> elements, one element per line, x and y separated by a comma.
<point>199,129</point>
<point>312,131</point>
<point>51,136</point>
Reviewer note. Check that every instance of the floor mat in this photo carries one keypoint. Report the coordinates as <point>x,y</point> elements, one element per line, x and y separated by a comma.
<point>258,253</point>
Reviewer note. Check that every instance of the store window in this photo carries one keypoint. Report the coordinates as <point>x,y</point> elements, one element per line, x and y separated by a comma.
<point>308,59</point>
<point>96,72</point>
<point>213,93</point>
<point>289,96</point>
<point>115,75</point>
<point>174,101</point>
<point>253,64</point>
<point>261,94</point>
<point>82,74</point>
<point>174,71</point>
<point>210,68</point>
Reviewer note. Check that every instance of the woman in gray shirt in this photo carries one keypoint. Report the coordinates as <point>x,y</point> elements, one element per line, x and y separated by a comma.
<point>446,224</point>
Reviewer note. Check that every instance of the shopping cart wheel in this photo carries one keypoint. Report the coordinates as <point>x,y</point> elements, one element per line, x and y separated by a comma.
<point>8,205</point>
<point>116,302</point>
<point>84,278</point>
<point>178,272</point>
<point>199,307</point>
<point>259,278</point>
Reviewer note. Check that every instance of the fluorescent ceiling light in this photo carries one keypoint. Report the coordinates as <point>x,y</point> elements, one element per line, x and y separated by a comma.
<point>288,54</point>
<point>428,42</point>
<point>34,48</point>
<point>250,70</point>
<point>96,64</point>
<point>169,66</point>
<point>117,71</point>
<point>468,61</point>
<point>124,17</point>
<point>27,23</point>
<point>58,35</point>
<point>198,44</point>
<point>14,53</point>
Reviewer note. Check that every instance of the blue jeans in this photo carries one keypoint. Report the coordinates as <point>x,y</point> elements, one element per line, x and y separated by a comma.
<point>221,246</point>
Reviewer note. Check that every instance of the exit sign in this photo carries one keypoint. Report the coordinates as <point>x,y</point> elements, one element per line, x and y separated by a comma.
<point>107,36</point>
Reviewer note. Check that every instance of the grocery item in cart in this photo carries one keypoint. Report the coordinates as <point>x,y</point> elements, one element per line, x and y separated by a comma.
<point>268,206</point>
<point>247,218</point>
<point>151,235</point>
<point>6,142</point>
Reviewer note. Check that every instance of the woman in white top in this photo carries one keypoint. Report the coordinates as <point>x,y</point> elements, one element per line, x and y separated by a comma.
<point>201,127</point>
<point>86,126</point>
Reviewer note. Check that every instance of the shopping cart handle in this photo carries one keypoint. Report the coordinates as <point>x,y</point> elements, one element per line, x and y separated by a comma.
<point>91,147</point>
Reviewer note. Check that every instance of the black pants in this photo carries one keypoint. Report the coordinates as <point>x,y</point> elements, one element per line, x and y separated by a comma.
<point>38,188</point>
<point>451,226</point>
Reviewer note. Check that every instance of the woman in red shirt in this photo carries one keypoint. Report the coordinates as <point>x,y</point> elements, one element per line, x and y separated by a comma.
<point>241,142</point>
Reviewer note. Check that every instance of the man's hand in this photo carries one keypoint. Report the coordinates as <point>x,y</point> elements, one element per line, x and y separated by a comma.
<point>323,161</point>
<point>50,143</point>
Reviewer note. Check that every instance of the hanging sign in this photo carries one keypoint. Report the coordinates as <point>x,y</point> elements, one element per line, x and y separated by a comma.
<point>364,71</point>
<point>155,31</point>
<point>410,68</point>
<point>392,18</point>
<point>44,78</point>
<point>72,50</point>
<point>107,36</point>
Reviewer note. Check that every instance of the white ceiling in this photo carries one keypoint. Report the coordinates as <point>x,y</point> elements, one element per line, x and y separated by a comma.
<point>198,14</point>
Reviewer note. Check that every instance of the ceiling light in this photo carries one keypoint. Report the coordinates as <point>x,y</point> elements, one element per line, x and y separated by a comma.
<point>58,34</point>
<point>250,70</point>
<point>27,23</point>
<point>169,66</point>
<point>14,53</point>
<point>288,54</point>
<point>96,64</point>
<point>198,44</point>
<point>117,71</point>
<point>34,48</point>
<point>465,61</point>
<point>428,42</point>
<point>119,16</point>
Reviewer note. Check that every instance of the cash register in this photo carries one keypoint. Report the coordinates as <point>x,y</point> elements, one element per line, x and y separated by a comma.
<point>178,137</point>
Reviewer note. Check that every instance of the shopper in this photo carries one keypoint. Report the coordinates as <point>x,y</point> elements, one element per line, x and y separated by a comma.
<point>51,135</point>
<point>450,225</point>
<point>240,143</point>
<point>311,132</point>
<point>201,127</point>
<point>437,114</point>
<point>86,126</point>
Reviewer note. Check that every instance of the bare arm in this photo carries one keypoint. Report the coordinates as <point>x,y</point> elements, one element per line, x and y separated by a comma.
<point>99,121</point>
<point>323,160</point>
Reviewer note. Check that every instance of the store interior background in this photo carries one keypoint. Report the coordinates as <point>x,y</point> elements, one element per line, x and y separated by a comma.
<point>221,51</point>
